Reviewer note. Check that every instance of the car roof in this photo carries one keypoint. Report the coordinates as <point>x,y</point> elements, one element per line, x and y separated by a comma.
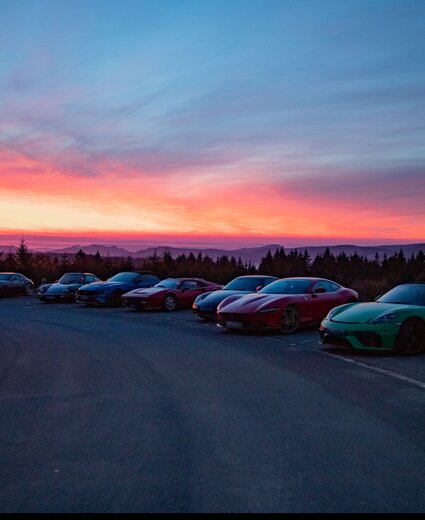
<point>311,278</point>
<point>185,278</point>
<point>257,276</point>
<point>136,272</point>
<point>72,272</point>
<point>411,283</point>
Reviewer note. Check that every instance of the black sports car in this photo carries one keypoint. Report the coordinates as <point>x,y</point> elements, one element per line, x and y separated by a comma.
<point>15,283</point>
<point>65,288</point>
<point>205,305</point>
<point>110,292</point>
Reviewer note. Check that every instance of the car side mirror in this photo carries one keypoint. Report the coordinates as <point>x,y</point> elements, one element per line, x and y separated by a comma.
<point>258,288</point>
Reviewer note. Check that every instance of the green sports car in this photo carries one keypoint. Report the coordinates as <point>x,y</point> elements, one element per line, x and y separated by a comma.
<point>394,321</point>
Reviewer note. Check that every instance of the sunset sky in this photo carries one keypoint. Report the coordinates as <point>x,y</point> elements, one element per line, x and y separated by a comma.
<point>215,122</point>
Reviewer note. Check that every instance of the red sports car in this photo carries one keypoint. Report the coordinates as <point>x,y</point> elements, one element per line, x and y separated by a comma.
<point>284,305</point>
<point>169,294</point>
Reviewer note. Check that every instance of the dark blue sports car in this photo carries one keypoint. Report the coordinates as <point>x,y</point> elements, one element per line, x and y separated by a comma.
<point>65,288</point>
<point>110,292</point>
<point>205,305</point>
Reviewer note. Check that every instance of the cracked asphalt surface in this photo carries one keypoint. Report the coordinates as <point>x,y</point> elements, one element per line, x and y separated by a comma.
<point>112,410</point>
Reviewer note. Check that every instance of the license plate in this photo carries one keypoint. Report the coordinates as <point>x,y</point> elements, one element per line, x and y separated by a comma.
<point>85,298</point>
<point>234,324</point>
<point>50,297</point>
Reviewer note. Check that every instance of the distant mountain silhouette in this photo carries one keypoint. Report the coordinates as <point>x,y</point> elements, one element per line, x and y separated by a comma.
<point>104,250</point>
<point>247,254</point>
<point>6,249</point>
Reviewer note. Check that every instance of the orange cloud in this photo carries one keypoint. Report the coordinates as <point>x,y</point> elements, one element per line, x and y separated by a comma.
<point>36,196</point>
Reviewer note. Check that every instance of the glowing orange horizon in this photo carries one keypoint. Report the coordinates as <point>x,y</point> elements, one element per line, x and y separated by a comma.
<point>38,198</point>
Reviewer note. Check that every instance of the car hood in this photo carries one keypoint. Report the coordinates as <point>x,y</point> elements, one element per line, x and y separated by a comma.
<point>364,312</point>
<point>101,286</point>
<point>63,287</point>
<point>253,302</point>
<point>145,293</point>
<point>215,297</point>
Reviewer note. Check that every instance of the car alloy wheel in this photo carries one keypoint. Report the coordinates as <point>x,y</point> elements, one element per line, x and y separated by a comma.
<point>290,320</point>
<point>29,289</point>
<point>411,338</point>
<point>170,302</point>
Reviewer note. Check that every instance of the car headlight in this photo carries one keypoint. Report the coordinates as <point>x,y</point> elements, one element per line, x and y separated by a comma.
<point>200,297</point>
<point>331,313</point>
<point>42,289</point>
<point>273,309</point>
<point>383,318</point>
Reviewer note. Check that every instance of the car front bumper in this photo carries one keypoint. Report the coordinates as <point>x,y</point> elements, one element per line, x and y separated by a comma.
<point>59,297</point>
<point>360,336</point>
<point>92,298</point>
<point>209,312</point>
<point>251,321</point>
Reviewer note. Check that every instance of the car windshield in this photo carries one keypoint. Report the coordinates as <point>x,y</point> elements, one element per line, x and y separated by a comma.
<point>244,284</point>
<point>287,286</point>
<point>124,277</point>
<point>5,277</point>
<point>410,294</point>
<point>169,283</point>
<point>72,278</point>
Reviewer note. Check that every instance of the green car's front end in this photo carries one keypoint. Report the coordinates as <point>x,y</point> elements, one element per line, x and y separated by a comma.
<point>396,321</point>
<point>352,325</point>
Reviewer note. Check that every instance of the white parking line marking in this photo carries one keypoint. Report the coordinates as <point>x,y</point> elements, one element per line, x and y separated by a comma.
<point>406,379</point>
<point>410,380</point>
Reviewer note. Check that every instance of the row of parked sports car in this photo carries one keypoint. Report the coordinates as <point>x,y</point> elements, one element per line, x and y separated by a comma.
<point>394,321</point>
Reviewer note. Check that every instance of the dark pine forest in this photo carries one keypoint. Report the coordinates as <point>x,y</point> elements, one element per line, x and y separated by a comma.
<point>369,278</point>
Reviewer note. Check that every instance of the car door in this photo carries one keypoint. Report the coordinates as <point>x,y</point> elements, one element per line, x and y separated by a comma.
<point>89,278</point>
<point>189,290</point>
<point>17,284</point>
<point>324,297</point>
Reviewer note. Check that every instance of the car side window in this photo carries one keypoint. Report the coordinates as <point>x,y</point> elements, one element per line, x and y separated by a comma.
<point>146,279</point>
<point>89,279</point>
<point>189,284</point>
<point>328,286</point>
<point>321,285</point>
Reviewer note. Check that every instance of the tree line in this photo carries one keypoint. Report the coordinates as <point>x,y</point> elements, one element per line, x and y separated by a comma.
<point>368,277</point>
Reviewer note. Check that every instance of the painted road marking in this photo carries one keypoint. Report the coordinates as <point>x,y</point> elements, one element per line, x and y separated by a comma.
<point>410,380</point>
<point>401,377</point>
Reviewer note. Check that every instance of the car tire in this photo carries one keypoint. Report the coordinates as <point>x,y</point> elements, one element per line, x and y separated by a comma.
<point>115,299</point>
<point>170,303</point>
<point>28,289</point>
<point>411,337</point>
<point>290,320</point>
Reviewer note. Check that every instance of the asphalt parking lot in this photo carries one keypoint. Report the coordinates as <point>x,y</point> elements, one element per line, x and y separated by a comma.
<point>113,410</point>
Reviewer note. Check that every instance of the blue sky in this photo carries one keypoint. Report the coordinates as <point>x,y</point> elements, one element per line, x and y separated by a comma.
<point>306,95</point>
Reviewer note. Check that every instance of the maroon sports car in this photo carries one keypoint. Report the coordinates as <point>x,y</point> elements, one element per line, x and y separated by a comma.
<point>169,294</point>
<point>284,305</point>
